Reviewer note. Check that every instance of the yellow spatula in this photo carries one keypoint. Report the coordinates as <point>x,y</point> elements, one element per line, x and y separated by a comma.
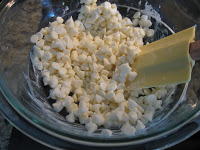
<point>167,61</point>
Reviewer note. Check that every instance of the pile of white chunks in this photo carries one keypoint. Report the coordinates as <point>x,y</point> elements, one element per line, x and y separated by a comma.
<point>92,58</point>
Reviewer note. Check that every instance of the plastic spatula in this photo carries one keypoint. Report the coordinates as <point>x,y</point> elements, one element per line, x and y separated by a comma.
<point>167,61</point>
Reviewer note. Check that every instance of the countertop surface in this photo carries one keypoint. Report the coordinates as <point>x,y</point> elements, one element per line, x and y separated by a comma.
<point>5,133</point>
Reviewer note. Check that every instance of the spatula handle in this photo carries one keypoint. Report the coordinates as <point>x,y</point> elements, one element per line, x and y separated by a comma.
<point>195,50</point>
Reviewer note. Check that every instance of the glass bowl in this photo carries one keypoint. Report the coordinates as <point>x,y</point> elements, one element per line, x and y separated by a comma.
<point>21,85</point>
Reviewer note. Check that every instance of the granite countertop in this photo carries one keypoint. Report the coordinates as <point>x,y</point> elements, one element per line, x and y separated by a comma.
<point>5,133</point>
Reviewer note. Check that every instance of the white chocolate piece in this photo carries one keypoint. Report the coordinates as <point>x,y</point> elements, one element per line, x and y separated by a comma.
<point>91,127</point>
<point>127,129</point>
<point>34,38</point>
<point>106,133</point>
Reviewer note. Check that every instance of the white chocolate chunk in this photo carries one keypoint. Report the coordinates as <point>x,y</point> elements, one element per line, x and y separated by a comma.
<point>68,101</point>
<point>71,118</point>
<point>127,129</point>
<point>144,17</point>
<point>133,117</point>
<point>62,71</point>
<point>111,87</point>
<point>140,125</point>
<point>47,55</point>
<point>106,133</point>
<point>98,119</point>
<point>106,5</point>
<point>91,127</point>
<point>150,33</point>
<point>137,15</point>
<point>55,65</point>
<point>125,68</point>
<point>110,95</point>
<point>34,38</point>
<point>135,22</point>
<point>57,106</point>
<point>119,97</point>
<point>60,20</point>
<point>54,35</point>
